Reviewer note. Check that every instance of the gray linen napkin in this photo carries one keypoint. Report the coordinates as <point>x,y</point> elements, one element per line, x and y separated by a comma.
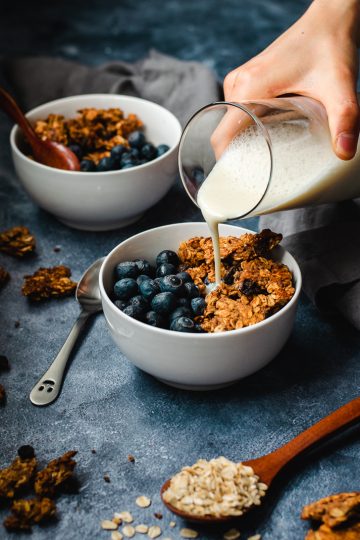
<point>325,240</point>
<point>182,87</point>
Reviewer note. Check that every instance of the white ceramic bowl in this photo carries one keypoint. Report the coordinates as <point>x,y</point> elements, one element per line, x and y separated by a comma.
<point>101,200</point>
<point>193,361</point>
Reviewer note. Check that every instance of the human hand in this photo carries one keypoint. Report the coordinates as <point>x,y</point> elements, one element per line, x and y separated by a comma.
<point>316,57</point>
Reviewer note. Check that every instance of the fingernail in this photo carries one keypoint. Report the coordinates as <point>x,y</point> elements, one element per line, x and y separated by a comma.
<point>346,144</point>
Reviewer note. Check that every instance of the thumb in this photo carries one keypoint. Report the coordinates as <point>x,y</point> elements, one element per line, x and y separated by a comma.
<point>343,116</point>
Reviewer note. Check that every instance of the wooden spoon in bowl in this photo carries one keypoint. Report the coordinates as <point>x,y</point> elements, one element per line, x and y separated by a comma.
<point>46,152</point>
<point>269,466</point>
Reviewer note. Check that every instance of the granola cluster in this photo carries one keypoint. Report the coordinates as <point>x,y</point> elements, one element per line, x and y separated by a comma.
<point>49,283</point>
<point>17,241</point>
<point>254,286</point>
<point>97,131</point>
<point>22,476</point>
<point>338,516</point>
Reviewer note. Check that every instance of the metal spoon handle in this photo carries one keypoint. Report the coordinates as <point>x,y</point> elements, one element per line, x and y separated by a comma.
<point>48,387</point>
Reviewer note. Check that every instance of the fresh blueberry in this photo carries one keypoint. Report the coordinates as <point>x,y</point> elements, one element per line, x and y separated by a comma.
<point>127,269</point>
<point>149,289</point>
<point>140,303</point>
<point>164,302</point>
<point>142,161</point>
<point>184,302</point>
<point>105,164</point>
<point>125,288</point>
<point>142,278</point>
<point>135,154</point>
<point>191,290</point>
<point>198,174</point>
<point>184,276</point>
<point>134,311</point>
<point>162,149</point>
<point>158,280</point>
<point>121,304</point>
<point>136,139</point>
<point>144,267</point>
<point>199,329</point>
<point>167,256</point>
<point>171,283</point>
<point>77,150</point>
<point>155,319</point>
<point>118,151</point>
<point>183,324</point>
<point>148,151</point>
<point>87,165</point>
<point>180,312</point>
<point>198,305</point>
<point>165,270</point>
<point>128,165</point>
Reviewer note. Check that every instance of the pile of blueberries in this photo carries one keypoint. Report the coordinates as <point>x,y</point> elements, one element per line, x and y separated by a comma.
<point>161,296</point>
<point>138,152</point>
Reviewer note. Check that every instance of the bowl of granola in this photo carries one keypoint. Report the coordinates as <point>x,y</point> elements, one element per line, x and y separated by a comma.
<point>127,147</point>
<point>242,326</point>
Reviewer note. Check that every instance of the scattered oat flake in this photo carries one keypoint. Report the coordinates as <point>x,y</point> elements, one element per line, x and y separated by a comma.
<point>143,501</point>
<point>125,516</point>
<point>172,524</point>
<point>108,525</point>
<point>116,535</point>
<point>143,529</point>
<point>154,531</point>
<point>128,531</point>
<point>255,537</point>
<point>189,533</point>
<point>232,534</point>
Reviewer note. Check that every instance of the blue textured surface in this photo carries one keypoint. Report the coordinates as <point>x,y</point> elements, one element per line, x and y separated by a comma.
<point>107,404</point>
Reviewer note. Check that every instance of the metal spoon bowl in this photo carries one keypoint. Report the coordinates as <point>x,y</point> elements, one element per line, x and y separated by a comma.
<point>48,387</point>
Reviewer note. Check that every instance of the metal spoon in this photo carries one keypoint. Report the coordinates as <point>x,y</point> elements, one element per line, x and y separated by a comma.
<point>269,466</point>
<point>46,152</point>
<point>88,295</point>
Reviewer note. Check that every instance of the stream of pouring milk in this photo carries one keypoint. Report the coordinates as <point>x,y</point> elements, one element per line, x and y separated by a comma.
<point>305,171</point>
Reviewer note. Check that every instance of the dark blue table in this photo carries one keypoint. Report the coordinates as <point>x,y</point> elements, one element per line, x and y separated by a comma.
<point>106,403</point>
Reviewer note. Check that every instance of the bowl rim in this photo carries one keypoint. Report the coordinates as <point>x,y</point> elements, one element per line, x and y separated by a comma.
<point>188,335</point>
<point>16,129</point>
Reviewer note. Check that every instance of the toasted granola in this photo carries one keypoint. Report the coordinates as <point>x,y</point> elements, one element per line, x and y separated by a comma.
<point>26,512</point>
<point>97,131</point>
<point>254,286</point>
<point>352,532</point>
<point>49,283</point>
<point>17,476</point>
<point>55,475</point>
<point>333,510</point>
<point>17,241</point>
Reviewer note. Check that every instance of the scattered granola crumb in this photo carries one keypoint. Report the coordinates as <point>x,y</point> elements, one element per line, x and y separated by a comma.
<point>16,324</point>
<point>172,524</point>
<point>93,451</point>
<point>117,520</point>
<point>125,516</point>
<point>2,395</point>
<point>237,486</point>
<point>4,277</point>
<point>158,515</point>
<point>154,531</point>
<point>17,241</point>
<point>116,535</point>
<point>57,249</point>
<point>49,283</point>
<point>128,531</point>
<point>188,533</point>
<point>4,363</point>
<point>131,458</point>
<point>232,534</point>
<point>143,529</point>
<point>107,478</point>
<point>143,501</point>
<point>108,525</point>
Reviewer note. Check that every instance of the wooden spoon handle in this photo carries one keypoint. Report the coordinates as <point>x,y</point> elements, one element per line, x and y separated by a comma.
<point>8,105</point>
<point>268,466</point>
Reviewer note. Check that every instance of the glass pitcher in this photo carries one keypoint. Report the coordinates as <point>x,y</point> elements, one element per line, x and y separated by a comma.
<point>257,157</point>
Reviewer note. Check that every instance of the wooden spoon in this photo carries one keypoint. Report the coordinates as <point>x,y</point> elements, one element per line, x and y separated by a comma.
<point>46,152</point>
<point>269,466</point>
